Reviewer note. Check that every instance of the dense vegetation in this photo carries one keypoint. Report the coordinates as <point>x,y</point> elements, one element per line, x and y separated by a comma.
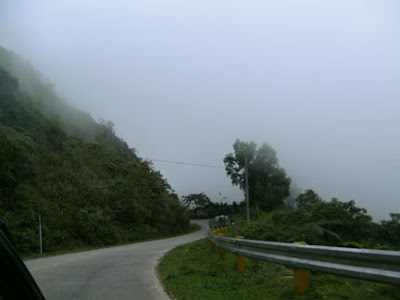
<point>88,185</point>
<point>279,216</point>
<point>200,206</point>
<point>318,222</point>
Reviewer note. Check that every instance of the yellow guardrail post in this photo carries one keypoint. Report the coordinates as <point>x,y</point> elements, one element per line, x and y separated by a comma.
<point>213,244</point>
<point>301,278</point>
<point>221,251</point>
<point>240,262</point>
<point>209,240</point>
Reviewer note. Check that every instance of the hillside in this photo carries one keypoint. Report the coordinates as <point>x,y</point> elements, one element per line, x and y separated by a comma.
<point>42,93</point>
<point>88,185</point>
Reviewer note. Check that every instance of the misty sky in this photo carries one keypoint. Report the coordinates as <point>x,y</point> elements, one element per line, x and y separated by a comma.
<point>317,80</point>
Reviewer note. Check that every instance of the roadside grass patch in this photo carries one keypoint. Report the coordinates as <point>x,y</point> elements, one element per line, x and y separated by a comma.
<point>195,271</point>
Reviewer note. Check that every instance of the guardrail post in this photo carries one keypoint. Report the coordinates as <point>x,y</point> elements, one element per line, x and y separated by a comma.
<point>375,265</point>
<point>213,244</point>
<point>209,239</point>
<point>221,251</point>
<point>301,278</point>
<point>240,262</point>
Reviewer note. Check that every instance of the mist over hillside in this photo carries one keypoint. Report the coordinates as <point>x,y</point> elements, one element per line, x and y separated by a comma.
<point>88,186</point>
<point>41,89</point>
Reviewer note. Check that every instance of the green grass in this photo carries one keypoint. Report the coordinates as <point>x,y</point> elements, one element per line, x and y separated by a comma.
<point>193,228</point>
<point>195,271</point>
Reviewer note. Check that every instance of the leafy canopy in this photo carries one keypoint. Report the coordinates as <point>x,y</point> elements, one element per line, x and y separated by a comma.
<point>268,183</point>
<point>200,200</point>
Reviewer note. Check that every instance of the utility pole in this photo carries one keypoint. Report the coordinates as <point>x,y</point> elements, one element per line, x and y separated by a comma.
<point>246,170</point>
<point>40,234</point>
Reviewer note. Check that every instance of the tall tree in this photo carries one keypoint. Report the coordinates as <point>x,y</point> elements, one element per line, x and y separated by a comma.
<point>200,200</point>
<point>268,183</point>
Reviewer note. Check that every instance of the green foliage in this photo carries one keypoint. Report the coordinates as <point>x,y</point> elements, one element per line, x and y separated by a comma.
<point>390,230</point>
<point>308,199</point>
<point>89,188</point>
<point>201,207</point>
<point>316,222</point>
<point>268,183</point>
<point>200,200</point>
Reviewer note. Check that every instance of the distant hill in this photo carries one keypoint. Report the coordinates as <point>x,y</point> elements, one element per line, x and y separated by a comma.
<point>41,90</point>
<point>86,183</point>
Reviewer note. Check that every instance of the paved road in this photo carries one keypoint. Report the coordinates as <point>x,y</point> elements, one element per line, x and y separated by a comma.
<point>124,272</point>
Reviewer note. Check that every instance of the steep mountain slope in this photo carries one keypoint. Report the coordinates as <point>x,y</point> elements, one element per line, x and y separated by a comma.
<point>41,90</point>
<point>86,183</point>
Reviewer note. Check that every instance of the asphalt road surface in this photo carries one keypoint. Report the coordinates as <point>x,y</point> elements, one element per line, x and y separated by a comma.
<point>124,272</point>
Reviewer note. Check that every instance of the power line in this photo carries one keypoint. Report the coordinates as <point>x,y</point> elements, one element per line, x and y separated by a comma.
<point>185,163</point>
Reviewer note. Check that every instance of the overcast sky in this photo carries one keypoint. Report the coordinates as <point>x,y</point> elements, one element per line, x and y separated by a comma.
<point>317,80</point>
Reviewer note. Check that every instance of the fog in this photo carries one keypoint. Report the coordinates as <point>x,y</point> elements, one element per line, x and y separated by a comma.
<point>181,80</point>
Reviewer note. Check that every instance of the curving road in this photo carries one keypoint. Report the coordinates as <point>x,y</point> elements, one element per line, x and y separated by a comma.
<point>124,272</point>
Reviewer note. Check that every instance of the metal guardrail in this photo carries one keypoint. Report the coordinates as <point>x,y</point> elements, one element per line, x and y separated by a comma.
<point>375,265</point>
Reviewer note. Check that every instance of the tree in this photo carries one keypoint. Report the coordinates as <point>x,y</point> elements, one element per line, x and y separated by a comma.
<point>268,183</point>
<point>391,230</point>
<point>308,199</point>
<point>338,221</point>
<point>193,201</point>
